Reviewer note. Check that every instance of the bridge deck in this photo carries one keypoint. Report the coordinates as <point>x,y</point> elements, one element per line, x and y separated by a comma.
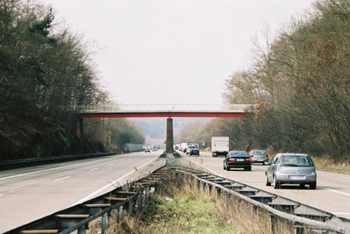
<point>169,111</point>
<point>166,114</point>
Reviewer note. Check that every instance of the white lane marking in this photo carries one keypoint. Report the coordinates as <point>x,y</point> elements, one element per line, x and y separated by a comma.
<point>335,191</point>
<point>94,169</point>
<point>51,169</point>
<point>1,195</point>
<point>108,185</point>
<point>62,178</point>
<point>341,213</point>
<point>111,164</point>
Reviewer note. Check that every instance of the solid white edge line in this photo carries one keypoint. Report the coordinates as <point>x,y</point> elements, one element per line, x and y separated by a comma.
<point>108,185</point>
<point>335,191</point>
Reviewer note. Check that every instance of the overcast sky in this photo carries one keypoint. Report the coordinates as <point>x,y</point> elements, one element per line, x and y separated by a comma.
<point>172,51</point>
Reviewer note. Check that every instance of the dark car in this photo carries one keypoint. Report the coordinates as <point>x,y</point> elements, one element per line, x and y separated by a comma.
<point>237,159</point>
<point>147,150</point>
<point>193,150</point>
<point>290,168</point>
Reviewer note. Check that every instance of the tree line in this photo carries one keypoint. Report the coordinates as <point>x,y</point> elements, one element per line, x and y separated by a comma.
<point>47,75</point>
<point>300,83</point>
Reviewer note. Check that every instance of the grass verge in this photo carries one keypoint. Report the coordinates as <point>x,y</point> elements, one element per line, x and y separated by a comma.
<point>180,207</point>
<point>327,164</point>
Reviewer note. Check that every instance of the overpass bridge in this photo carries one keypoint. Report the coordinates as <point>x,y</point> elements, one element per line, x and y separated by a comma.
<point>166,110</point>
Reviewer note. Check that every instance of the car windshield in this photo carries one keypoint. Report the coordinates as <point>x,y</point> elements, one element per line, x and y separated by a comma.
<point>238,153</point>
<point>296,161</point>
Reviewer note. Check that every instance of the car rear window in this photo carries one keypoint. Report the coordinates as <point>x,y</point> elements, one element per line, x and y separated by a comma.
<point>238,153</point>
<point>299,161</point>
<point>259,152</point>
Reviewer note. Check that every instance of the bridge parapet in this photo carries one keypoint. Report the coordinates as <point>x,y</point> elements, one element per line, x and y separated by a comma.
<point>171,108</point>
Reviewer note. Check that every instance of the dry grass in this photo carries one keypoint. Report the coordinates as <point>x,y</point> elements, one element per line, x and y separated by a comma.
<point>193,211</point>
<point>327,164</point>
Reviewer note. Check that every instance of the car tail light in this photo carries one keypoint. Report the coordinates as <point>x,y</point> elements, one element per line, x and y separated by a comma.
<point>231,160</point>
<point>267,155</point>
<point>252,156</point>
<point>247,160</point>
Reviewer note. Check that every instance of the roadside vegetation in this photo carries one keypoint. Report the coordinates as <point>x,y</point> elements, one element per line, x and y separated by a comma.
<point>299,81</point>
<point>180,207</point>
<point>47,76</point>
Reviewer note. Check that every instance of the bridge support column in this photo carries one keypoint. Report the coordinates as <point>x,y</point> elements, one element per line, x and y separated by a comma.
<point>169,136</point>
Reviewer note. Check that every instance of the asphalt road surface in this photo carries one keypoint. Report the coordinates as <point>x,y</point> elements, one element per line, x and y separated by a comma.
<point>332,193</point>
<point>28,194</point>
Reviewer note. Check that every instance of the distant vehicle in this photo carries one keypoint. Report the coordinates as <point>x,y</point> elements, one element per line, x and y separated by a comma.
<point>183,147</point>
<point>237,159</point>
<point>193,150</point>
<point>289,168</point>
<point>147,150</point>
<point>219,146</point>
<point>259,156</point>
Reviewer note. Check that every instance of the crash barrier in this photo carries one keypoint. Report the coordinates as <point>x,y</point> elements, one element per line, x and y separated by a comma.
<point>302,216</point>
<point>129,197</point>
<point>11,164</point>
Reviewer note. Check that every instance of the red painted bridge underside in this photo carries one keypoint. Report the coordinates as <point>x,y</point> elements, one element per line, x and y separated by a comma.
<point>164,114</point>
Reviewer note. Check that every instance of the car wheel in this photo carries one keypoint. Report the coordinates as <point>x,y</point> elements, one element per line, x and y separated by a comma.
<point>268,183</point>
<point>302,185</point>
<point>227,168</point>
<point>223,165</point>
<point>313,185</point>
<point>276,184</point>
<point>249,168</point>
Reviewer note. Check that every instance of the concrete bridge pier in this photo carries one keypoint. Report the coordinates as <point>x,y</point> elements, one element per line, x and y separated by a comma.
<point>169,136</point>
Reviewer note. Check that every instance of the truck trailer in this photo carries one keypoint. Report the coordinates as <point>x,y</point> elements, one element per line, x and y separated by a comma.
<point>220,146</point>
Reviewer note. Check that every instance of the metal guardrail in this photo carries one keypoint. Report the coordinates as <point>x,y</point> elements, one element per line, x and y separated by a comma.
<point>300,214</point>
<point>78,217</point>
<point>10,164</point>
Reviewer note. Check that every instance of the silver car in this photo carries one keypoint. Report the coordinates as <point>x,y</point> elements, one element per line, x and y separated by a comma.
<point>259,156</point>
<point>290,168</point>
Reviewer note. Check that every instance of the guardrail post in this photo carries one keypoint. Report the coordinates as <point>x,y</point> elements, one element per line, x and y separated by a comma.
<point>139,200</point>
<point>156,189</point>
<point>82,230</point>
<point>130,206</point>
<point>218,193</point>
<point>273,220</point>
<point>147,194</point>
<point>201,186</point>
<point>104,222</point>
<point>227,199</point>
<point>120,213</point>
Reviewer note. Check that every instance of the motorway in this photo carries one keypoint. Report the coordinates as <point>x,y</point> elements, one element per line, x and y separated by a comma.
<point>332,193</point>
<point>28,194</point>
